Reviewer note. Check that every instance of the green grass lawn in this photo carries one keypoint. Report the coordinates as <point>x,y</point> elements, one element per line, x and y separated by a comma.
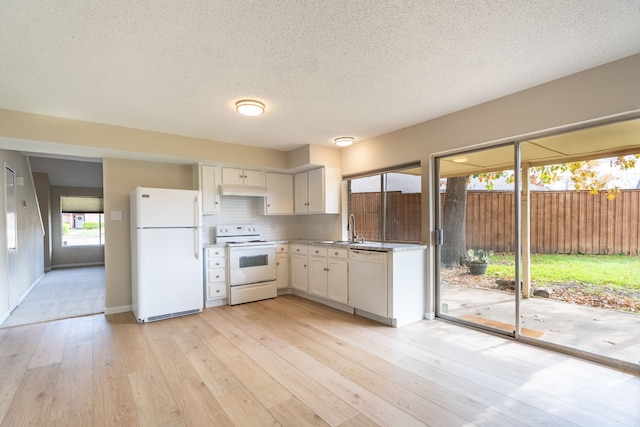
<point>621,271</point>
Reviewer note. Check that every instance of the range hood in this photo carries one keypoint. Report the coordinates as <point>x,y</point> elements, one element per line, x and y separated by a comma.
<point>242,190</point>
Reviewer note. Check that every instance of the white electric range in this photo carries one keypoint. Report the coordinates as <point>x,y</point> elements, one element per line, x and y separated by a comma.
<point>251,263</point>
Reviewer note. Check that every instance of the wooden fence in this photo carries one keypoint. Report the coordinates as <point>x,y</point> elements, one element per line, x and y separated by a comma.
<point>403,216</point>
<point>561,221</point>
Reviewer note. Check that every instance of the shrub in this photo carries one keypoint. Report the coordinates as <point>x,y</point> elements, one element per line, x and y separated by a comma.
<point>65,227</point>
<point>90,225</point>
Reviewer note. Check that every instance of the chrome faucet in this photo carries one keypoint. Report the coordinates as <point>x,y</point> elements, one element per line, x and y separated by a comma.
<point>351,227</point>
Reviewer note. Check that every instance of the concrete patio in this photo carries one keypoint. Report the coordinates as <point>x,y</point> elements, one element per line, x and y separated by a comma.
<point>605,332</point>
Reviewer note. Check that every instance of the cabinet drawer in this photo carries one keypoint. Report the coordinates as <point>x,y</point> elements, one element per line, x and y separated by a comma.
<point>282,248</point>
<point>216,275</point>
<point>216,290</point>
<point>299,249</point>
<point>318,251</point>
<point>215,251</point>
<point>215,263</point>
<point>338,253</point>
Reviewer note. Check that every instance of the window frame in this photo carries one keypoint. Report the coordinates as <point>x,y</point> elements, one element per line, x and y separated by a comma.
<point>383,173</point>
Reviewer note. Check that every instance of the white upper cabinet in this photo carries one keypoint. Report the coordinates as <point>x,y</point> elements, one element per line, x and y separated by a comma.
<point>249,177</point>
<point>209,182</point>
<point>279,199</point>
<point>317,191</point>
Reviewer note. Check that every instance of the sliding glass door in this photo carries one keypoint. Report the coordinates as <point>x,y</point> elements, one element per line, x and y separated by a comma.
<point>551,254</point>
<point>476,213</point>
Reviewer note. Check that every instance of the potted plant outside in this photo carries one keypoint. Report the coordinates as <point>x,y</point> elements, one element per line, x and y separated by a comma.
<point>477,260</point>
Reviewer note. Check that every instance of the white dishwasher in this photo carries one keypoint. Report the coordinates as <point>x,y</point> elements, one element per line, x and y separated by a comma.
<point>368,281</point>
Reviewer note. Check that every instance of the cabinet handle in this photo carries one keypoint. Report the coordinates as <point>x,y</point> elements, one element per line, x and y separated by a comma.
<point>326,269</point>
<point>277,263</point>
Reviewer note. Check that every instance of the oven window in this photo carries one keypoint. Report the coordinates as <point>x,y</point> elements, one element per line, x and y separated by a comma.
<point>254,261</point>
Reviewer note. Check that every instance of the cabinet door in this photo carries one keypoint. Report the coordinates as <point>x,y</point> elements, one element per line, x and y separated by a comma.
<point>232,176</point>
<point>253,178</point>
<point>301,191</point>
<point>338,280</point>
<point>282,270</point>
<point>299,277</point>
<point>209,187</point>
<point>318,276</point>
<point>316,191</point>
<point>279,198</point>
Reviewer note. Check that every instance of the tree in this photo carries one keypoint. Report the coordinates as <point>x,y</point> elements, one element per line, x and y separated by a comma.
<point>455,209</point>
<point>583,174</point>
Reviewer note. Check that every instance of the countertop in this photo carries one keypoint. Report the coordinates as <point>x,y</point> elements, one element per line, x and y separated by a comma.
<point>377,246</point>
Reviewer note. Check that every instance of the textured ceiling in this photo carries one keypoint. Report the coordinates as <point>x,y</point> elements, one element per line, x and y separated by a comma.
<point>324,68</point>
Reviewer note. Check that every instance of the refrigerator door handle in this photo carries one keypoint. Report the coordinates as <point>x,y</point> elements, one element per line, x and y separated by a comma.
<point>196,242</point>
<point>196,211</point>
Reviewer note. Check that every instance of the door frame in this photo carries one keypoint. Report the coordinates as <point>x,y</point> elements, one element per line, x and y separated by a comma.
<point>440,240</point>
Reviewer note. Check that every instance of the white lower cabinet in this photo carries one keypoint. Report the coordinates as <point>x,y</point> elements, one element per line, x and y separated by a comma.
<point>282,266</point>
<point>299,268</point>
<point>338,275</point>
<point>215,275</point>
<point>318,271</point>
<point>329,273</point>
<point>387,286</point>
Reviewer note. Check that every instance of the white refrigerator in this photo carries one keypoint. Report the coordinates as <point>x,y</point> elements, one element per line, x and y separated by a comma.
<point>166,269</point>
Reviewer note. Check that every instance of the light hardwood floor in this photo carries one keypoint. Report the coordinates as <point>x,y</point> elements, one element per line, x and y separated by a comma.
<point>289,361</point>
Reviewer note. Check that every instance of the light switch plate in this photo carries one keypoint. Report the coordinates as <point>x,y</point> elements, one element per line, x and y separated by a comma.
<point>116,215</point>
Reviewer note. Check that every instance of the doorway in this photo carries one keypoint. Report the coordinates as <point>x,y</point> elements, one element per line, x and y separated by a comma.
<point>550,228</point>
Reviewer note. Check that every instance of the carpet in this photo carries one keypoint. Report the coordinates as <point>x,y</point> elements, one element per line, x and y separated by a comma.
<point>60,294</point>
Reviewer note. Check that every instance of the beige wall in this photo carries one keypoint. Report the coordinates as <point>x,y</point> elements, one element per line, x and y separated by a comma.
<point>33,132</point>
<point>120,177</point>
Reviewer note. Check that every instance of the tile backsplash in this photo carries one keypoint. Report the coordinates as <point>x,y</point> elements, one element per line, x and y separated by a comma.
<point>248,210</point>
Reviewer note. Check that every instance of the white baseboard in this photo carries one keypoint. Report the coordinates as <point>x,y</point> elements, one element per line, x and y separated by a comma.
<point>216,303</point>
<point>26,294</point>
<point>324,301</point>
<point>80,264</point>
<point>116,310</point>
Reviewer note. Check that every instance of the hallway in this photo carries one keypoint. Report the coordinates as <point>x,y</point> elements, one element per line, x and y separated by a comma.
<point>62,293</point>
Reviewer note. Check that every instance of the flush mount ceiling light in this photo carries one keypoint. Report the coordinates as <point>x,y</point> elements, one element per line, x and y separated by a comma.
<point>250,107</point>
<point>344,141</point>
<point>460,160</point>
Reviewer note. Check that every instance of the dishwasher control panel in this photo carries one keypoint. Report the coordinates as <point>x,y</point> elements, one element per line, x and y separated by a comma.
<point>368,255</point>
